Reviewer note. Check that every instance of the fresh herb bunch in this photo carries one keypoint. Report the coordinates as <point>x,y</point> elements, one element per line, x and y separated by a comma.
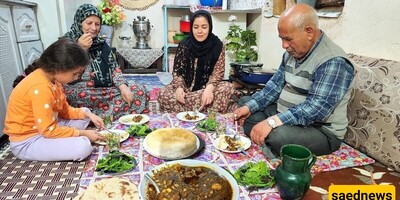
<point>111,12</point>
<point>115,162</point>
<point>243,43</point>
<point>254,176</point>
<point>139,130</point>
<point>207,125</point>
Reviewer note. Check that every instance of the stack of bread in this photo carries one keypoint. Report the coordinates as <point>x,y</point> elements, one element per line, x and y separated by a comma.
<point>171,143</point>
<point>111,188</point>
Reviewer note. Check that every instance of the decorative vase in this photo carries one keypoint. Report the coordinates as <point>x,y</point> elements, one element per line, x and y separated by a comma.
<point>293,176</point>
<point>106,32</point>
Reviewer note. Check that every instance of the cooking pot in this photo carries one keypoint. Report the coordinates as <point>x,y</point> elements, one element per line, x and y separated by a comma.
<point>184,26</point>
<point>239,66</point>
<point>255,76</point>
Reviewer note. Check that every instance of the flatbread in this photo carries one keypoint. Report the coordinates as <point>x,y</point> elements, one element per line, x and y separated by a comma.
<point>111,188</point>
<point>171,143</point>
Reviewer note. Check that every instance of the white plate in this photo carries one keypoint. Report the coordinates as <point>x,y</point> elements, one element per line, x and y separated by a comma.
<point>198,147</point>
<point>245,141</point>
<point>181,116</point>
<point>192,163</point>
<point>123,135</point>
<point>127,119</point>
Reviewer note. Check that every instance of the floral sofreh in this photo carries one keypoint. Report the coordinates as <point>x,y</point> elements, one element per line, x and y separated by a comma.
<point>241,42</point>
<point>111,12</point>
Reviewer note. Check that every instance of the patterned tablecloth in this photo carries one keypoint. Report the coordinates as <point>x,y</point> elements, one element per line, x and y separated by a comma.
<point>140,58</point>
<point>342,158</point>
<point>146,162</point>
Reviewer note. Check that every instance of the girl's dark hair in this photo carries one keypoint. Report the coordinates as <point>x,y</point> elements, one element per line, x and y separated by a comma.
<point>61,56</point>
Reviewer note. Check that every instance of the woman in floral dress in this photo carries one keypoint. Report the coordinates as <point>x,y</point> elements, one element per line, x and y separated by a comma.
<point>101,87</point>
<point>198,72</point>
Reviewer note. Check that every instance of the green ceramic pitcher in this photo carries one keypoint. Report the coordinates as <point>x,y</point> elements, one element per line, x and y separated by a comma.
<point>293,175</point>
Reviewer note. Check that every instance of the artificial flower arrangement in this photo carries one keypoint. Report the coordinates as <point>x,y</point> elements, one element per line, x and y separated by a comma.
<point>111,12</point>
<point>241,42</point>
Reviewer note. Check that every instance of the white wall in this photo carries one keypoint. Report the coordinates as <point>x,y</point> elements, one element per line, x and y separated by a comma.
<point>366,27</point>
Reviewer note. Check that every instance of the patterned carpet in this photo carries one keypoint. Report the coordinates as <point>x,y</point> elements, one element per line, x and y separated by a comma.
<point>38,180</point>
<point>152,83</point>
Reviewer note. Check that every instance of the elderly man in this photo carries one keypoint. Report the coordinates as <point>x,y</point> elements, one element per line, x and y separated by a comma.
<point>305,102</point>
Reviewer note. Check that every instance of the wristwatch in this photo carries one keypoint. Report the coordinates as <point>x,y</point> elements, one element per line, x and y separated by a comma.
<point>271,122</point>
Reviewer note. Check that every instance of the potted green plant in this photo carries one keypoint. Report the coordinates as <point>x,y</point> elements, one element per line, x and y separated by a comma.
<point>242,43</point>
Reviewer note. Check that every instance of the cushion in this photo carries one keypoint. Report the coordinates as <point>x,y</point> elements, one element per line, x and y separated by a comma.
<point>374,110</point>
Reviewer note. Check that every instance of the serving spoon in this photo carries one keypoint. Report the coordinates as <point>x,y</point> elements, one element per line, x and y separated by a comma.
<point>152,182</point>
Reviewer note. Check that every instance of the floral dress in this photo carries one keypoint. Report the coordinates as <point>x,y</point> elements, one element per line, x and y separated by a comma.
<point>223,92</point>
<point>106,100</point>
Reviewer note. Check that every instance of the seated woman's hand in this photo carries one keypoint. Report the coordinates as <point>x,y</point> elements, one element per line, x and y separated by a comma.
<point>208,96</point>
<point>180,95</point>
<point>126,94</point>
<point>85,41</point>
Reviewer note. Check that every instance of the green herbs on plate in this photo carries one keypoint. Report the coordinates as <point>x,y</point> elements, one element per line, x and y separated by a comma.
<point>116,162</point>
<point>207,125</point>
<point>139,130</point>
<point>254,176</point>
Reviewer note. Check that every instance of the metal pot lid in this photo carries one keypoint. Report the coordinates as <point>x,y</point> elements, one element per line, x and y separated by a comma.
<point>247,64</point>
<point>256,71</point>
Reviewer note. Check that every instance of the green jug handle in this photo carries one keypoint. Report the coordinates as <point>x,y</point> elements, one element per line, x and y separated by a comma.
<point>312,161</point>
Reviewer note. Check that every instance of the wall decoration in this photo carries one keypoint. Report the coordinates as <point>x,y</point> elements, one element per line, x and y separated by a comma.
<point>137,4</point>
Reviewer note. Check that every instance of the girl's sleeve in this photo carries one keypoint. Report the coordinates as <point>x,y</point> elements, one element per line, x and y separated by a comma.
<point>43,100</point>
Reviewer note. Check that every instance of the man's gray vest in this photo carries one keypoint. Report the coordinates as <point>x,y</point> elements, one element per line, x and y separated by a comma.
<point>298,83</point>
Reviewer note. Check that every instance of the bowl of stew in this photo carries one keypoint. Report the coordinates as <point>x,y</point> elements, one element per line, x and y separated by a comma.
<point>189,179</point>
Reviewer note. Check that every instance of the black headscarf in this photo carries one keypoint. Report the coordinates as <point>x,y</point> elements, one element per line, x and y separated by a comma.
<point>207,53</point>
<point>100,52</point>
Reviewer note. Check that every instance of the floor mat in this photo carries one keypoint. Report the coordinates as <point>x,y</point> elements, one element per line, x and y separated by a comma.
<point>346,156</point>
<point>38,180</point>
<point>152,83</point>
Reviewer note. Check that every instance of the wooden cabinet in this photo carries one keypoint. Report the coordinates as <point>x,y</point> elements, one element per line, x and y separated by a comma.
<point>20,45</point>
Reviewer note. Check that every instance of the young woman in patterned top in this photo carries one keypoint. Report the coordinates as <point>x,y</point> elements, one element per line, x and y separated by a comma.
<point>40,123</point>
<point>199,67</point>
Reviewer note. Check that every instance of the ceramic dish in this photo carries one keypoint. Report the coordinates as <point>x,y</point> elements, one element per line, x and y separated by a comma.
<point>246,143</point>
<point>128,119</point>
<point>200,143</point>
<point>122,134</point>
<point>191,163</point>
<point>181,116</point>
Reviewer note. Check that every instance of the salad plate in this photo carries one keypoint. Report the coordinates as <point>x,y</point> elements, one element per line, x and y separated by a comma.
<point>115,163</point>
<point>123,135</point>
<point>244,144</point>
<point>190,116</point>
<point>134,119</point>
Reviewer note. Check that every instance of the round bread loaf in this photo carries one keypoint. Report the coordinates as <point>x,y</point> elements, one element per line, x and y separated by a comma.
<point>110,188</point>
<point>171,143</point>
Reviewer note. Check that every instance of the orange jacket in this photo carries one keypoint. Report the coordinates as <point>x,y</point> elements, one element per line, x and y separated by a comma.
<point>34,107</point>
